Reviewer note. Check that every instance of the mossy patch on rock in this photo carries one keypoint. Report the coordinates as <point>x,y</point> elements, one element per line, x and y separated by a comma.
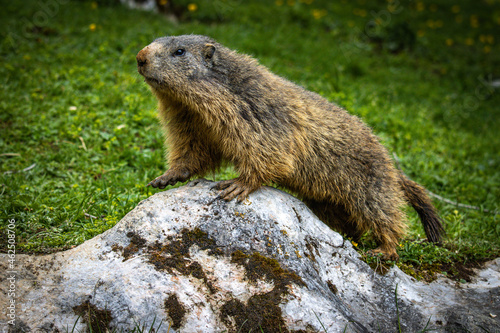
<point>136,243</point>
<point>262,312</point>
<point>259,267</point>
<point>175,310</point>
<point>97,320</point>
<point>333,288</point>
<point>175,255</point>
<point>181,244</point>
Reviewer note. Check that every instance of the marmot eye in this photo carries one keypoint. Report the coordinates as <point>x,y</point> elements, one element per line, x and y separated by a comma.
<point>179,52</point>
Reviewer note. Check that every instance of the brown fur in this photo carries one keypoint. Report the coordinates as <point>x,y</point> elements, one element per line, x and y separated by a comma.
<point>217,105</point>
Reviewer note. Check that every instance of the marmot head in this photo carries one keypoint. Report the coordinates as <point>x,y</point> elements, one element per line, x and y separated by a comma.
<point>170,64</point>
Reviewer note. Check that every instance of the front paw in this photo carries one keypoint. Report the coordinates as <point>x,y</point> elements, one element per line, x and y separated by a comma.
<point>234,188</point>
<point>170,177</point>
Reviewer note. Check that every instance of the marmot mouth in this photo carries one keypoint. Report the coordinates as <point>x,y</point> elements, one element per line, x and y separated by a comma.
<point>152,81</point>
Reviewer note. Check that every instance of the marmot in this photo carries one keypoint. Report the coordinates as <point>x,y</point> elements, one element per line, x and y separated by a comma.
<point>217,105</point>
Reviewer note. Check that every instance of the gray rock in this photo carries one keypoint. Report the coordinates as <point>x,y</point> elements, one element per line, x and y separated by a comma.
<point>194,263</point>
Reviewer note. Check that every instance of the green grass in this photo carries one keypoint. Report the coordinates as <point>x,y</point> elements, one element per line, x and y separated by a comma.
<point>73,104</point>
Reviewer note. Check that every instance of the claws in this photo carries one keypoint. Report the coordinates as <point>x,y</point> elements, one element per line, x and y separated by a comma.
<point>162,182</point>
<point>196,182</point>
<point>223,184</point>
<point>233,188</point>
<point>170,177</point>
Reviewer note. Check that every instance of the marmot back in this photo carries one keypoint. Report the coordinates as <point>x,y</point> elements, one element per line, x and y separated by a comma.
<point>217,105</point>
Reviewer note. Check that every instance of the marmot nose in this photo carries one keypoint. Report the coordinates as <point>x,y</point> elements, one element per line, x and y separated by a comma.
<point>141,58</point>
<point>141,61</point>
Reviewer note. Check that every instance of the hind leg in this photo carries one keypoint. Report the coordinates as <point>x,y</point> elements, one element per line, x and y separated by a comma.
<point>387,247</point>
<point>387,232</point>
<point>385,224</point>
<point>336,217</point>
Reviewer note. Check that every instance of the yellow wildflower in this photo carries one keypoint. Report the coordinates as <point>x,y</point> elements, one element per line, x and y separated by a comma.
<point>455,9</point>
<point>474,22</point>
<point>318,13</point>
<point>93,5</point>
<point>449,41</point>
<point>469,41</point>
<point>192,7</point>
<point>92,27</point>
<point>487,49</point>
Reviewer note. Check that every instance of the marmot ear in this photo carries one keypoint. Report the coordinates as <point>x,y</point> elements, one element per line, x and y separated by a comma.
<point>208,52</point>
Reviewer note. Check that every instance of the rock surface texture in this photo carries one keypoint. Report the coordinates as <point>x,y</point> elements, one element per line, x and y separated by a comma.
<point>185,261</point>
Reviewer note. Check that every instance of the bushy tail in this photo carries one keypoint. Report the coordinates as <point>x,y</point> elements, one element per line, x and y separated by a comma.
<point>420,201</point>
